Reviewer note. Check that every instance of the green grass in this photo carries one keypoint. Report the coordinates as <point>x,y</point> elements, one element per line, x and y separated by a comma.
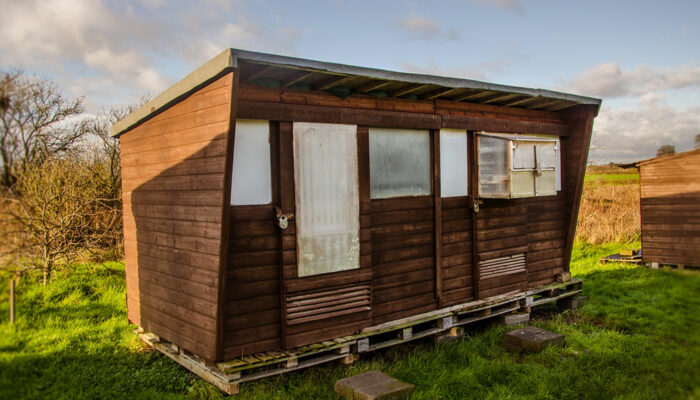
<point>612,179</point>
<point>638,337</point>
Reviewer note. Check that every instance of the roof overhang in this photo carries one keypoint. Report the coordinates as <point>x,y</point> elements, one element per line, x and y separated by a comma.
<point>360,80</point>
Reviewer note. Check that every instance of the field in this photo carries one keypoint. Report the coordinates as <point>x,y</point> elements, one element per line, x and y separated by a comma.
<point>638,337</point>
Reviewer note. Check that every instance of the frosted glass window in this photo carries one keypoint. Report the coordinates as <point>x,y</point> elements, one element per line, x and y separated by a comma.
<point>399,161</point>
<point>327,198</point>
<point>453,163</point>
<point>251,180</point>
<point>494,169</point>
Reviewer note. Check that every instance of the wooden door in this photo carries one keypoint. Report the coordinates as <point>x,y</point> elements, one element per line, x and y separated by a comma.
<point>326,293</point>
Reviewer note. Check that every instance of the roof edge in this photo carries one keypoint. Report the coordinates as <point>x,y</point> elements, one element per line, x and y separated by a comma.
<point>210,69</point>
<point>229,58</point>
<point>407,76</point>
<point>667,157</point>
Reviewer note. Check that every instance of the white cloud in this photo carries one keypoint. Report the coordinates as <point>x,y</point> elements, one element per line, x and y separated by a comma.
<point>125,49</point>
<point>511,5</point>
<point>632,133</point>
<point>418,26</point>
<point>609,80</point>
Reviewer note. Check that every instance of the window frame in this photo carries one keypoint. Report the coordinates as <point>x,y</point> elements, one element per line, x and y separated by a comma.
<point>511,139</point>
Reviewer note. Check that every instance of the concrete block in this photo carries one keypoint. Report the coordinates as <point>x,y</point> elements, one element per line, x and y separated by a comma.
<point>654,265</point>
<point>454,334</point>
<point>373,385</point>
<point>515,319</point>
<point>362,345</point>
<point>572,302</point>
<point>531,339</point>
<point>563,277</point>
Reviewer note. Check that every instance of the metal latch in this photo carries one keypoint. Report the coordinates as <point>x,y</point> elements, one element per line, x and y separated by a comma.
<point>283,219</point>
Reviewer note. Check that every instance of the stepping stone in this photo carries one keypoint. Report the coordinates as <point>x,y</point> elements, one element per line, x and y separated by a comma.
<point>373,385</point>
<point>531,339</point>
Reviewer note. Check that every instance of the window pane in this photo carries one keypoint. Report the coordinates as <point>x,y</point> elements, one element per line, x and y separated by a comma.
<point>251,181</point>
<point>327,198</point>
<point>453,163</point>
<point>493,167</point>
<point>547,155</point>
<point>399,162</point>
<point>524,155</point>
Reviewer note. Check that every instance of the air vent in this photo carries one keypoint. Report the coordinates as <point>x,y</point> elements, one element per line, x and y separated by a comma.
<point>322,304</point>
<point>500,266</point>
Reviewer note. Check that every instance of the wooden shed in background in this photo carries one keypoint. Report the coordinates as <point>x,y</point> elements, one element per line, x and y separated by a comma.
<point>670,209</point>
<point>277,207</point>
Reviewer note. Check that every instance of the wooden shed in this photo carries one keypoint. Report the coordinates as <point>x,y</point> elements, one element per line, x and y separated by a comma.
<point>670,209</point>
<point>284,212</point>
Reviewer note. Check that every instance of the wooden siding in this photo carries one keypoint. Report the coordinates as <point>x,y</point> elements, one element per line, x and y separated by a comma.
<point>173,169</point>
<point>403,257</point>
<point>457,256</point>
<point>501,231</point>
<point>670,210</point>
<point>546,238</point>
<point>252,309</point>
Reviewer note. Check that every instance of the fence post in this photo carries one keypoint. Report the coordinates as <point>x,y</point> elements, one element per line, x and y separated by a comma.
<point>12,301</point>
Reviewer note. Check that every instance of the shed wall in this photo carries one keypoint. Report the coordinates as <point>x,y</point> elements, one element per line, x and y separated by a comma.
<point>670,210</point>
<point>173,174</point>
<point>398,234</point>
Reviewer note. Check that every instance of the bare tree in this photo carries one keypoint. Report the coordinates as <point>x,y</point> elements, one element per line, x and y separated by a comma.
<point>697,141</point>
<point>58,211</point>
<point>34,122</point>
<point>665,150</point>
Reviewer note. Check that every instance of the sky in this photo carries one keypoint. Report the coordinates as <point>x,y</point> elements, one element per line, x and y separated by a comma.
<point>641,57</point>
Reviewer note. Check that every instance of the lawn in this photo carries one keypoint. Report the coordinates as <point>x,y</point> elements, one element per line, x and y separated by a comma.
<point>638,337</point>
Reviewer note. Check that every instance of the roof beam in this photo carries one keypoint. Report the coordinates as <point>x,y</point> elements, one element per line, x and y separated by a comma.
<point>373,86</point>
<point>406,90</point>
<point>522,101</point>
<point>562,105</point>
<point>543,103</point>
<point>439,93</point>
<point>499,97</point>
<point>336,82</point>
<point>474,96</point>
<point>298,77</point>
<point>259,73</point>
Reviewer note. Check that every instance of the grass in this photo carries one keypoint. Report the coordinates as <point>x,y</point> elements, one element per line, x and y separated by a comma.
<point>638,337</point>
<point>609,208</point>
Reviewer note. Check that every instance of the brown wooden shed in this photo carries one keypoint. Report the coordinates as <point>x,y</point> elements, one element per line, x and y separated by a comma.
<point>271,203</point>
<point>670,209</point>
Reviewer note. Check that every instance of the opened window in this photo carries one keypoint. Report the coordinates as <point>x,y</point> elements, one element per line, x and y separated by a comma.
<point>515,166</point>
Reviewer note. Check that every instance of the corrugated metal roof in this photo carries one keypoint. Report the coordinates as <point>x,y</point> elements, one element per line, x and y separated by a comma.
<point>319,75</point>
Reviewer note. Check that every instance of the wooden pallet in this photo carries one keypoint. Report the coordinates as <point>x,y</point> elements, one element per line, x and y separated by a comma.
<point>228,375</point>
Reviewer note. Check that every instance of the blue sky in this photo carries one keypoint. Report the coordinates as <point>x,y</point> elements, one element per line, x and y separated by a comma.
<point>641,57</point>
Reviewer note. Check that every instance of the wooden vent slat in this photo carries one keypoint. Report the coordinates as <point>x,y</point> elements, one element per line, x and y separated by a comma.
<point>500,266</point>
<point>326,303</point>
